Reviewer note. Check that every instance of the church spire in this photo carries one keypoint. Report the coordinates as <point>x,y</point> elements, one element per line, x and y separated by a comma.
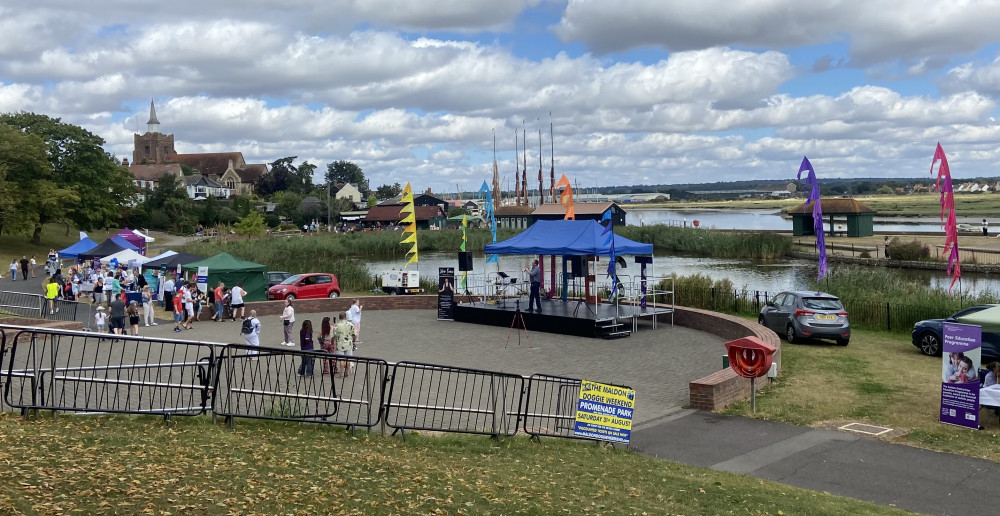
<point>153,125</point>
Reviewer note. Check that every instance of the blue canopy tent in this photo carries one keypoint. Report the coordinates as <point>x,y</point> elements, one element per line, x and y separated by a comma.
<point>568,238</point>
<point>74,250</point>
<point>124,244</point>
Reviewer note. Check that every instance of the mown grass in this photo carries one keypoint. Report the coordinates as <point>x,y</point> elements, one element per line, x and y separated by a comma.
<point>53,237</point>
<point>130,465</point>
<point>880,378</point>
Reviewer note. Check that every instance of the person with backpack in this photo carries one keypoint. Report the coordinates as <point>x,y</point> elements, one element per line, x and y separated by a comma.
<point>251,331</point>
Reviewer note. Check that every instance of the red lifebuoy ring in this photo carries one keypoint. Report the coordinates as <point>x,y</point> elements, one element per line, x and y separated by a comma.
<point>696,223</point>
<point>749,363</point>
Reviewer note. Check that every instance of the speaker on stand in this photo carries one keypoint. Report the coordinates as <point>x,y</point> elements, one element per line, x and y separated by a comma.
<point>465,265</point>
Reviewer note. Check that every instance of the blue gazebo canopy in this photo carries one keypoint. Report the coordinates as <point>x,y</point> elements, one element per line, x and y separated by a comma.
<point>567,237</point>
<point>74,250</point>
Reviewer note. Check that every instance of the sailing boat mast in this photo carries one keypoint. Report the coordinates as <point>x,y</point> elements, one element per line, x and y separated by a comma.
<point>552,154</point>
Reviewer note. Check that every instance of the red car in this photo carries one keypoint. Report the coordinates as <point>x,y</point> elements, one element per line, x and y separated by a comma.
<point>306,286</point>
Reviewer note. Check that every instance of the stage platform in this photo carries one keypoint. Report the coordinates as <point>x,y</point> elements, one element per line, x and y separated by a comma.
<point>563,317</point>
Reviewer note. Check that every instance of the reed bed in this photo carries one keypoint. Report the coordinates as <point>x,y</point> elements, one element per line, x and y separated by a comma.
<point>705,242</point>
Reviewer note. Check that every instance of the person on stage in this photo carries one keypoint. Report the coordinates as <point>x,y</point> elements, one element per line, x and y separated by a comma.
<point>535,275</point>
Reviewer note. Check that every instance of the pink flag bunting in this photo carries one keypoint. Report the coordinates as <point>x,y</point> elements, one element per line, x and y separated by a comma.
<point>948,221</point>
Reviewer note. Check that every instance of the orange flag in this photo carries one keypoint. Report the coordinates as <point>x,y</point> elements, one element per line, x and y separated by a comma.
<point>566,199</point>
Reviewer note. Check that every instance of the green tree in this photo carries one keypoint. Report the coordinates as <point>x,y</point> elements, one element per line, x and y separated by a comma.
<point>285,176</point>
<point>347,172</point>
<point>23,165</point>
<point>287,204</point>
<point>388,191</point>
<point>88,185</point>
<point>242,205</point>
<point>252,224</point>
<point>372,201</point>
<point>457,211</point>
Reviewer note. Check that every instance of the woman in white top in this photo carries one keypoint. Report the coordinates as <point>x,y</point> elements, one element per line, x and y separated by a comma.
<point>236,300</point>
<point>288,322</point>
<point>991,377</point>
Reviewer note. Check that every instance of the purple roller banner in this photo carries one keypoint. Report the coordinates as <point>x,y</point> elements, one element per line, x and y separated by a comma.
<point>960,364</point>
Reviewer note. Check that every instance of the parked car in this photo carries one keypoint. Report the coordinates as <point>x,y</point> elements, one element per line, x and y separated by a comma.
<point>807,315</point>
<point>306,286</point>
<point>927,334</point>
<point>275,277</point>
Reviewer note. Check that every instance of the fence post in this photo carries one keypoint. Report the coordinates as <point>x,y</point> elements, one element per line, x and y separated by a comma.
<point>888,318</point>
<point>713,298</point>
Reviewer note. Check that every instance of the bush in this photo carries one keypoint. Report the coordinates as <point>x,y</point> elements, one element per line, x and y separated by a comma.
<point>908,251</point>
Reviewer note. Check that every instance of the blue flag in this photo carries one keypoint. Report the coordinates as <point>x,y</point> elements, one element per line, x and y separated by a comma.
<point>817,213</point>
<point>485,190</point>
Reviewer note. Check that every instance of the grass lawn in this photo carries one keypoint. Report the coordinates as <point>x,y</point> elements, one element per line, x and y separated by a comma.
<point>880,378</point>
<point>134,465</point>
<point>53,237</point>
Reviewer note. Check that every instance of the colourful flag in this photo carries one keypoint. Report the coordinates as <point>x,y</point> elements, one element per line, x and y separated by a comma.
<point>948,215</point>
<point>566,199</point>
<point>817,213</point>
<point>610,232</point>
<point>488,202</point>
<point>408,218</point>
<point>465,223</point>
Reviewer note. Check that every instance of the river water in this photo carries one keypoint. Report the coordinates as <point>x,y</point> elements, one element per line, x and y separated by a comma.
<point>775,277</point>
<point>770,219</point>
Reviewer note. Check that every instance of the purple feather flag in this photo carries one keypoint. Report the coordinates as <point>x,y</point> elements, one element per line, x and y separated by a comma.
<point>817,213</point>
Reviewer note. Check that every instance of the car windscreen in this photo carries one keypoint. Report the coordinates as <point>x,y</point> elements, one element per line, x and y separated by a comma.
<point>822,303</point>
<point>291,280</point>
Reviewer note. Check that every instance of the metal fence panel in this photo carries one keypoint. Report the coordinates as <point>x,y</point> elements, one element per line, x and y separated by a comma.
<point>264,383</point>
<point>86,372</point>
<point>453,399</point>
<point>550,406</point>
<point>22,304</point>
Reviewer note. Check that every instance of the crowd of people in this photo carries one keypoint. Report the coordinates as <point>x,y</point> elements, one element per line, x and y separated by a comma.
<point>339,337</point>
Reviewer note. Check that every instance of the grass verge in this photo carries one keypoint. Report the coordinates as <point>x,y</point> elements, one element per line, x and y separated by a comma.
<point>880,378</point>
<point>133,465</point>
<point>15,246</point>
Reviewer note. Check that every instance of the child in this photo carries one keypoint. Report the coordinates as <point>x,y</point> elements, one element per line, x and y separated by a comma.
<point>133,317</point>
<point>954,361</point>
<point>306,341</point>
<point>966,372</point>
<point>100,320</point>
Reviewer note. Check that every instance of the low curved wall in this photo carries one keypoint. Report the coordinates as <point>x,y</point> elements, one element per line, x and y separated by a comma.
<point>723,387</point>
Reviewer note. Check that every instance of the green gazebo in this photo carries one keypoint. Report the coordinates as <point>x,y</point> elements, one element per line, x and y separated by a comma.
<point>860,218</point>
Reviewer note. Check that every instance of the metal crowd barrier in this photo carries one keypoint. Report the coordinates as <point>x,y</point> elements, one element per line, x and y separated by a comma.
<point>74,371</point>
<point>22,304</point>
<point>453,399</point>
<point>550,406</point>
<point>71,371</point>
<point>264,383</point>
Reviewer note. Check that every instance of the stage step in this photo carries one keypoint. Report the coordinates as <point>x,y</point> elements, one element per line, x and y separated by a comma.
<point>611,329</point>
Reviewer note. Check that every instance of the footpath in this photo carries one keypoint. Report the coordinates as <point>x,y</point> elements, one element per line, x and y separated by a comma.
<point>840,463</point>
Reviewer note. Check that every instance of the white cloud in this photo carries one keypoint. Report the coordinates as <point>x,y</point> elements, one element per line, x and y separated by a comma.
<point>876,30</point>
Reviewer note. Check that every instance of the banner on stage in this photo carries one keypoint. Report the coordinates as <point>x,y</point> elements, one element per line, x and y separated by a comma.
<point>446,293</point>
<point>604,412</point>
<point>961,359</point>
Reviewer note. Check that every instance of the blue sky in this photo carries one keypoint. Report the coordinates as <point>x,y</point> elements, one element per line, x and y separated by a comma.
<point>640,92</point>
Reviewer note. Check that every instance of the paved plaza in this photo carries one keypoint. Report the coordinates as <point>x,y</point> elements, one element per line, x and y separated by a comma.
<point>658,363</point>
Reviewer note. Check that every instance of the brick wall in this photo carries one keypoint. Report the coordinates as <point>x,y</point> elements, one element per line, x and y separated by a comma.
<point>342,304</point>
<point>724,387</point>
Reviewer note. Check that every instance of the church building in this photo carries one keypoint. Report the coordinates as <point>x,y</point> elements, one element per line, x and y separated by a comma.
<point>218,174</point>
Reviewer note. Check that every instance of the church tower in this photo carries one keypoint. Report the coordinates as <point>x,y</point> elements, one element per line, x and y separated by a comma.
<point>152,147</point>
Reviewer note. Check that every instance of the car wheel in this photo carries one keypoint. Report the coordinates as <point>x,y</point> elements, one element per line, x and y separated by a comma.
<point>760,320</point>
<point>393,292</point>
<point>334,294</point>
<point>843,342</point>
<point>290,296</point>
<point>930,344</point>
<point>790,334</point>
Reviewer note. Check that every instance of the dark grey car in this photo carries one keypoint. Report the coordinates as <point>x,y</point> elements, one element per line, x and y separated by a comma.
<point>801,315</point>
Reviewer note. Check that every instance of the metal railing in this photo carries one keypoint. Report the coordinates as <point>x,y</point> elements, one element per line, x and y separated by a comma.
<point>83,372</point>
<point>453,399</point>
<point>73,371</point>
<point>290,385</point>
<point>36,306</point>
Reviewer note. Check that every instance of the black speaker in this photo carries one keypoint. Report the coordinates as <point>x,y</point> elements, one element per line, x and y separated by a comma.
<point>464,261</point>
<point>576,266</point>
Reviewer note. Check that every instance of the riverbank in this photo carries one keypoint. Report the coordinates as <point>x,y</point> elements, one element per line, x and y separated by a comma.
<point>911,205</point>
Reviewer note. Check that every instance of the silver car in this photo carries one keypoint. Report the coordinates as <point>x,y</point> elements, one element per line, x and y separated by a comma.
<point>807,315</point>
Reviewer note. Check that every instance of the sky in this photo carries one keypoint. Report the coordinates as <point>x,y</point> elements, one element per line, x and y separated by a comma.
<point>635,92</point>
